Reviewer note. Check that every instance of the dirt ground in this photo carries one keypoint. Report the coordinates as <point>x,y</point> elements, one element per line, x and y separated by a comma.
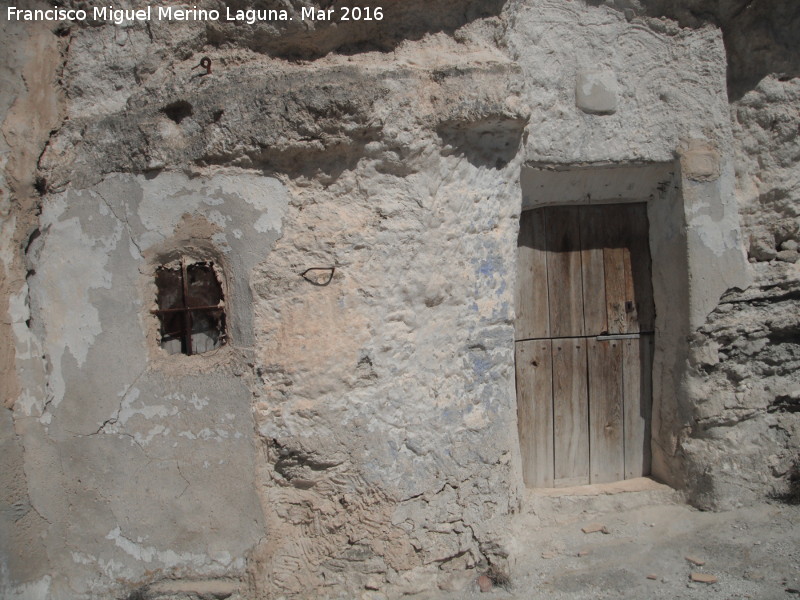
<point>652,538</point>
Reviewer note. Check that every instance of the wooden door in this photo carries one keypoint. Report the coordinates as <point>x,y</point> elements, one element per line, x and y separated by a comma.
<point>584,334</point>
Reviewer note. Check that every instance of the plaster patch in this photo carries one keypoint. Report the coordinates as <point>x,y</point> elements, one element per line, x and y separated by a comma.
<point>111,568</point>
<point>713,235</point>
<point>148,554</point>
<point>169,558</point>
<point>168,197</point>
<point>37,590</point>
<point>196,401</point>
<point>27,346</point>
<point>81,559</point>
<point>127,409</point>
<point>217,218</point>
<point>70,266</point>
<point>212,434</point>
<point>221,242</point>
<point>268,222</point>
<point>212,201</point>
<point>7,227</point>
<point>262,193</point>
<point>162,206</point>
<point>143,440</point>
<point>27,403</point>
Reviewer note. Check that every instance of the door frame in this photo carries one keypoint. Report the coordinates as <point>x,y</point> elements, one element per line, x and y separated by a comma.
<point>659,186</point>
<point>583,339</point>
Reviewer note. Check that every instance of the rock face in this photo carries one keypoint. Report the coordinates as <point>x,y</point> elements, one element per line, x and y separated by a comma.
<point>358,190</point>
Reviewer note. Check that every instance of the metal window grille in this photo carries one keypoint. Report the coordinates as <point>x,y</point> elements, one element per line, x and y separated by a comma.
<point>191,308</point>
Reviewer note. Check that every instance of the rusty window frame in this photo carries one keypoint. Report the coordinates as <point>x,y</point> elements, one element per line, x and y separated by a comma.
<point>185,307</point>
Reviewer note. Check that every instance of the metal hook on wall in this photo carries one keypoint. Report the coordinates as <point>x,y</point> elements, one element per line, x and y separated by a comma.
<point>323,281</point>
<point>205,63</point>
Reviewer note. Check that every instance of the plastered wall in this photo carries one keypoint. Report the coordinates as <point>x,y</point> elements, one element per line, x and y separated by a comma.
<point>356,438</point>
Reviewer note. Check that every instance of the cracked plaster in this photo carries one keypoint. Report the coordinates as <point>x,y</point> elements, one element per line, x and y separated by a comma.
<point>360,436</point>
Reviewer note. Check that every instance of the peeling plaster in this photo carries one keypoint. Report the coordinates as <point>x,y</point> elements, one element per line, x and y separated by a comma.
<point>384,401</point>
<point>37,590</point>
<point>170,558</point>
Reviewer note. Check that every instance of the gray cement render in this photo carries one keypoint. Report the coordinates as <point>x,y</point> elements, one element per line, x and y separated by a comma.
<point>156,450</point>
<point>356,437</point>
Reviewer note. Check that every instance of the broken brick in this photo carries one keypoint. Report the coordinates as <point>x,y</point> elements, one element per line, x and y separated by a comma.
<point>703,578</point>
<point>594,528</point>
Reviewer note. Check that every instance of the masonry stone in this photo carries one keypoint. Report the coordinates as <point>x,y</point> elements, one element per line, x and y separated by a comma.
<point>596,92</point>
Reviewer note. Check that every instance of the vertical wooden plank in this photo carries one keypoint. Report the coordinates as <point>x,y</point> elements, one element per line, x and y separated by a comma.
<point>564,272</point>
<point>535,411</point>
<point>646,358</point>
<point>630,228</point>
<point>570,413</point>
<point>640,289</point>
<point>614,267</point>
<point>629,304</point>
<point>532,305</point>
<point>607,456</point>
<point>592,232</point>
<point>637,367</point>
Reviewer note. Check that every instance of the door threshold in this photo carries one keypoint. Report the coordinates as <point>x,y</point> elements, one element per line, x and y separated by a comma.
<point>638,484</point>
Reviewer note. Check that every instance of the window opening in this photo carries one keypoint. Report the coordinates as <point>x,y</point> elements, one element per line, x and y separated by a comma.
<point>191,308</point>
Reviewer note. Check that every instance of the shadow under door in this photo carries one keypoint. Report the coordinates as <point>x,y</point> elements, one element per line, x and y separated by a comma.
<point>584,344</point>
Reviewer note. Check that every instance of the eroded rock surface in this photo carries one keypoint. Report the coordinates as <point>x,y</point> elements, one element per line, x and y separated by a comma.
<point>357,435</point>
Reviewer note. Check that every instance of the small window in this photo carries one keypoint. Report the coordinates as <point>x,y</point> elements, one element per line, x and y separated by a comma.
<point>191,307</point>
